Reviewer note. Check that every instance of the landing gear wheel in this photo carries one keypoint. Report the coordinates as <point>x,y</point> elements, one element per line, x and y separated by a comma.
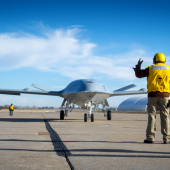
<point>109,115</point>
<point>85,117</point>
<point>62,115</point>
<point>92,117</point>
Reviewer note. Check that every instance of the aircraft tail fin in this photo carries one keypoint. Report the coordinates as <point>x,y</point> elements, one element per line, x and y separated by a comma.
<point>40,87</point>
<point>126,87</point>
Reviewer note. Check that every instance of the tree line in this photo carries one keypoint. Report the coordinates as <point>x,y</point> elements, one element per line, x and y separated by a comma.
<point>6,106</point>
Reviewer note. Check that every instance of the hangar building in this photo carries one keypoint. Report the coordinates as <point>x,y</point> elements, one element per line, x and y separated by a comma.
<point>134,104</point>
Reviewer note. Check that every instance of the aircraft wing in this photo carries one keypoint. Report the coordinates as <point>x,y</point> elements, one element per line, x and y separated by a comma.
<point>29,91</point>
<point>121,93</point>
<point>126,87</point>
<point>40,87</point>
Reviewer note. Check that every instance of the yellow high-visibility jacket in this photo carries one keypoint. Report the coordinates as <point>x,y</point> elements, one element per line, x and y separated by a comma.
<point>11,107</point>
<point>159,78</point>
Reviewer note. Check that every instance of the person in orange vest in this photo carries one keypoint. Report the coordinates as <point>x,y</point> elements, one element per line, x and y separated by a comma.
<point>11,109</point>
<point>158,85</point>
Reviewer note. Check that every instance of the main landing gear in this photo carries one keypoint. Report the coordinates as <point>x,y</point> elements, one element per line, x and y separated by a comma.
<point>65,113</point>
<point>62,115</point>
<point>109,115</point>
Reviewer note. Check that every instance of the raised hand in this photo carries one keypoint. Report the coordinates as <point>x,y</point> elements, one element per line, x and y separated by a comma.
<point>140,62</point>
<point>138,65</point>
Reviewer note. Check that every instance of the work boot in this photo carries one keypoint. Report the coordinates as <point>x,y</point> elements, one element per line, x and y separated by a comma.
<point>166,142</point>
<point>147,141</point>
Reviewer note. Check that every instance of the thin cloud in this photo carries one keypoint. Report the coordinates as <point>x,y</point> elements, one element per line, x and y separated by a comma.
<point>61,51</point>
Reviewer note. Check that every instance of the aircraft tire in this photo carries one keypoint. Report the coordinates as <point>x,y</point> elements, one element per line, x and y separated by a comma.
<point>85,117</point>
<point>92,117</point>
<point>109,115</point>
<point>62,115</point>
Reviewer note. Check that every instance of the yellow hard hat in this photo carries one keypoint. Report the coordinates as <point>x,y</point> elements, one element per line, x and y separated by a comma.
<point>11,103</point>
<point>159,57</point>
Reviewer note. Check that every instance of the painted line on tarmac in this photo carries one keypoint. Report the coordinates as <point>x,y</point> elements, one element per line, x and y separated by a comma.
<point>112,141</point>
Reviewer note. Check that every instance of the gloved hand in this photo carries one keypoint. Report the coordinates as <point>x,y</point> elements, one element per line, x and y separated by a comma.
<point>138,66</point>
<point>140,62</point>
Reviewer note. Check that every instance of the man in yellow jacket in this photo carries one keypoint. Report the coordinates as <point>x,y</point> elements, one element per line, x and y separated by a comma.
<point>158,85</point>
<point>11,109</point>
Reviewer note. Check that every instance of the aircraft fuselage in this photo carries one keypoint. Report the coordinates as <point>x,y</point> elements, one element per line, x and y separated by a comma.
<point>79,91</point>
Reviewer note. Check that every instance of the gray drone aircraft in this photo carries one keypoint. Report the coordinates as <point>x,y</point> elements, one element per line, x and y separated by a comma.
<point>84,93</point>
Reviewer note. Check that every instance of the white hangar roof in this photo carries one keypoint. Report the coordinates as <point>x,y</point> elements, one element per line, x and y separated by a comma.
<point>134,104</point>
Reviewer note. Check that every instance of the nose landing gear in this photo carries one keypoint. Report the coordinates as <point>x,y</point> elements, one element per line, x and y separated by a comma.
<point>88,106</point>
<point>86,116</point>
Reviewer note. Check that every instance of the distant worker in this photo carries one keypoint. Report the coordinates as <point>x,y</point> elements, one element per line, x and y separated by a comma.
<point>158,85</point>
<point>11,109</point>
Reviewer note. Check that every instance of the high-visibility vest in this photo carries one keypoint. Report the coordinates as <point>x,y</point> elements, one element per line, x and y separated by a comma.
<point>159,78</point>
<point>11,107</point>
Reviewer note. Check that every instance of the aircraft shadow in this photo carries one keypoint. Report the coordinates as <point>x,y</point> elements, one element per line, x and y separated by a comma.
<point>25,119</point>
<point>21,140</point>
<point>37,120</point>
<point>118,156</point>
<point>118,152</point>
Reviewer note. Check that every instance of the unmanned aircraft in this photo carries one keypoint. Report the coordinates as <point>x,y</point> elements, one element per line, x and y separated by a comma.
<point>84,93</point>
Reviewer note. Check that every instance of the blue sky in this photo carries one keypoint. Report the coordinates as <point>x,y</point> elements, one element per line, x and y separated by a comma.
<point>52,43</point>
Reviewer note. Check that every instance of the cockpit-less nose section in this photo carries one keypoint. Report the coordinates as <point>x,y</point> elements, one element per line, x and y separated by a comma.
<point>84,93</point>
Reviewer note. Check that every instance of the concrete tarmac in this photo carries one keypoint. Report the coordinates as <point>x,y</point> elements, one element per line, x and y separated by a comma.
<point>22,148</point>
<point>27,143</point>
